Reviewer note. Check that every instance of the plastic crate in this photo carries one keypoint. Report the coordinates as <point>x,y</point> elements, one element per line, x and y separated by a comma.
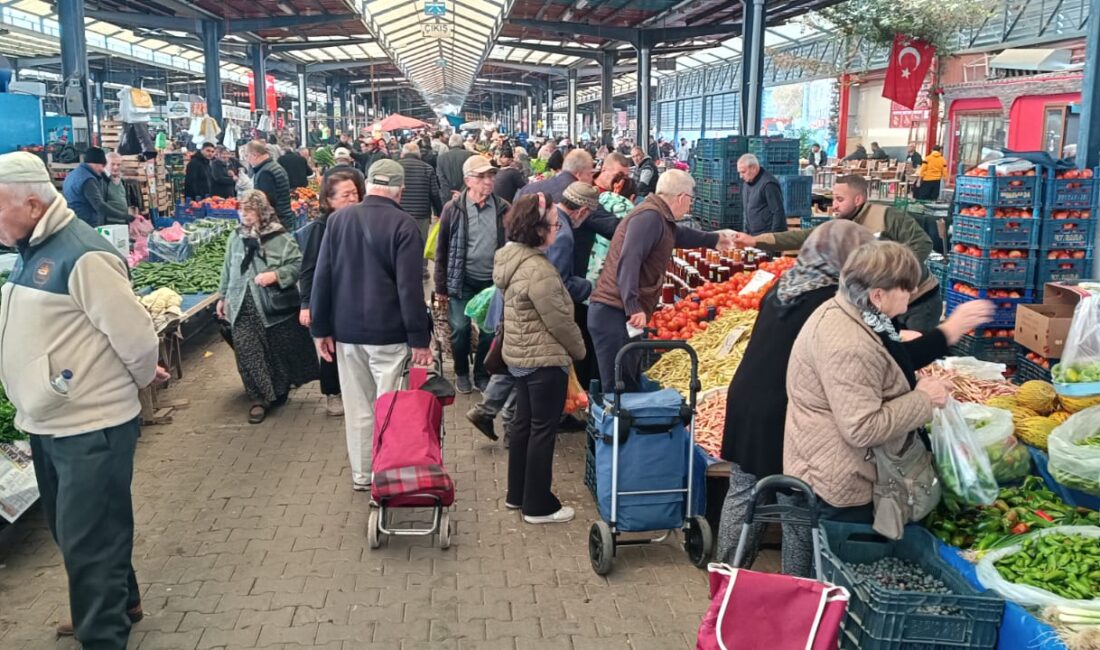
<point>797,193</point>
<point>937,268</point>
<point>713,210</point>
<point>186,210</point>
<point>726,222</point>
<point>1027,370</point>
<point>221,213</point>
<point>1061,270</point>
<point>1005,191</point>
<point>813,221</point>
<point>995,349</point>
<point>988,232</point>
<point>1005,314</point>
<point>718,192</point>
<point>719,169</point>
<point>729,147</point>
<point>881,619</point>
<point>1069,192</point>
<point>1063,234</point>
<point>988,273</point>
<point>775,149</point>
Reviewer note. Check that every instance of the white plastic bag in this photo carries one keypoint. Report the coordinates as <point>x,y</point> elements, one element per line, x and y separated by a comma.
<point>962,464</point>
<point>975,368</point>
<point>1078,373</point>
<point>1074,465</point>
<point>994,432</point>
<point>1027,595</point>
<point>1008,166</point>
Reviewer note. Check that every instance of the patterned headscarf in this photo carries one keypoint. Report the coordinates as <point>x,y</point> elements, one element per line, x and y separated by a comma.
<point>256,201</point>
<point>821,258</point>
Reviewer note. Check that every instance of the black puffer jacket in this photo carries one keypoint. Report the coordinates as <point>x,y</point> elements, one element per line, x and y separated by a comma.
<point>271,179</point>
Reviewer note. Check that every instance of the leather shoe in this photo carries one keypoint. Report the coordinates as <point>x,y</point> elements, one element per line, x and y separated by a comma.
<point>65,628</point>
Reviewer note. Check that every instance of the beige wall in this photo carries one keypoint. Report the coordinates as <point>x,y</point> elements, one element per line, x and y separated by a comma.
<point>870,119</point>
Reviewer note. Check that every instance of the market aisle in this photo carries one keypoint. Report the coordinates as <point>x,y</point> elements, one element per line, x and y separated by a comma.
<point>250,536</point>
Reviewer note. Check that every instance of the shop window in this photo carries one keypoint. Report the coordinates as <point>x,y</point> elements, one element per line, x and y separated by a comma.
<point>1060,127</point>
<point>977,135</point>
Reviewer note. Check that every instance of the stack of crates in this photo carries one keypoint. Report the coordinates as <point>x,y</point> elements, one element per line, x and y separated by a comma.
<point>797,195</point>
<point>995,242</point>
<point>1068,227</point>
<point>717,203</point>
<point>780,156</point>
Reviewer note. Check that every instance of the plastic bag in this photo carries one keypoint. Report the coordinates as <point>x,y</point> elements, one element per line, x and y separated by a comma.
<point>1073,464</point>
<point>1078,373</point>
<point>975,368</point>
<point>1027,595</point>
<point>961,462</point>
<point>433,238</point>
<point>478,307</point>
<point>575,397</point>
<point>994,432</point>
<point>162,249</point>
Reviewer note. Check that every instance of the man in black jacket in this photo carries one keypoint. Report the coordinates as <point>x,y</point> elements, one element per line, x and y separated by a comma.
<point>645,172</point>
<point>369,264</point>
<point>877,152</point>
<point>197,181</point>
<point>421,196</point>
<point>297,168</point>
<point>270,178</point>
<point>761,198</point>
<point>223,176</point>
<point>449,168</point>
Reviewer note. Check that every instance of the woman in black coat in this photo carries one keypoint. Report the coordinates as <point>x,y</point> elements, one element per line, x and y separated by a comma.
<point>756,402</point>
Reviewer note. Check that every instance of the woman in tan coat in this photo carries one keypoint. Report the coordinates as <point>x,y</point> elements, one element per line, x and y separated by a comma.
<point>541,341</point>
<point>852,385</point>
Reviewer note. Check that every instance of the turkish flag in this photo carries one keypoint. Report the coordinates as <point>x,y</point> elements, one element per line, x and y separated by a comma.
<point>909,63</point>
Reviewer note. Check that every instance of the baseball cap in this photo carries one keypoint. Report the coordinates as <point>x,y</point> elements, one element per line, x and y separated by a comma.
<point>582,194</point>
<point>386,172</point>
<point>341,152</point>
<point>23,167</point>
<point>477,165</point>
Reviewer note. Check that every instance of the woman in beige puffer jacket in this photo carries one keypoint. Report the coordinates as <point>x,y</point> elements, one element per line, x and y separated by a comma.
<point>541,340</point>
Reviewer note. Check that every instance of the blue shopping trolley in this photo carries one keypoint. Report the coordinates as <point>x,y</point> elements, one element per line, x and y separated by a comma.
<point>650,476</point>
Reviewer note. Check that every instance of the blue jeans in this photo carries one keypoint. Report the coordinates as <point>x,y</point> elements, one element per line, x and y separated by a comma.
<point>499,397</point>
<point>460,333</point>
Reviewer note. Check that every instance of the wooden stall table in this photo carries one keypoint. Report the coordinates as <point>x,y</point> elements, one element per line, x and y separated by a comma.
<point>170,335</point>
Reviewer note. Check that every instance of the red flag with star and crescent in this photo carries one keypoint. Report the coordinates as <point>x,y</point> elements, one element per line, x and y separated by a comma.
<point>910,60</point>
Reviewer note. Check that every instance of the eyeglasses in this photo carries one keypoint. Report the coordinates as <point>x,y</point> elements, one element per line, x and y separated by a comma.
<point>555,225</point>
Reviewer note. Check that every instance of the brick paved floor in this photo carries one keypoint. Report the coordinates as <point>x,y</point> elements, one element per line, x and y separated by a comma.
<point>250,536</point>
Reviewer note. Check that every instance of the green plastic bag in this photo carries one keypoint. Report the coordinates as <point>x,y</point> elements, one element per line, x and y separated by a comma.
<point>478,306</point>
<point>433,237</point>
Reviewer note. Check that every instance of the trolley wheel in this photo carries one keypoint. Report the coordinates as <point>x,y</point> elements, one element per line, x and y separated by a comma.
<point>601,547</point>
<point>374,539</point>
<point>698,541</point>
<point>445,530</point>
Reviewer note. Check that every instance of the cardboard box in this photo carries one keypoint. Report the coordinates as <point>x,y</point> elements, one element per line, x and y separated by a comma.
<point>119,236</point>
<point>1043,328</point>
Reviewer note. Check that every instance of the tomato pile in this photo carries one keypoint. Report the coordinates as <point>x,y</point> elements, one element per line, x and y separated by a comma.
<point>1067,255</point>
<point>686,317</point>
<point>1070,214</point>
<point>999,213</point>
<point>1074,173</point>
<point>1040,361</point>
<point>994,254</point>
<point>982,171</point>
<point>216,203</point>
<point>967,290</point>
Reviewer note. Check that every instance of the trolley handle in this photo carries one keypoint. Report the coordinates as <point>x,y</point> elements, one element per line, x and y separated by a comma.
<point>620,385</point>
<point>759,509</point>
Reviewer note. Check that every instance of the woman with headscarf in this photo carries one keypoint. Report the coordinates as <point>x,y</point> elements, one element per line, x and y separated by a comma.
<point>756,402</point>
<point>522,162</point>
<point>260,300</point>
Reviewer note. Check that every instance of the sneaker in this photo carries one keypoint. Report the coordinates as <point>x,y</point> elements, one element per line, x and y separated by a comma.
<point>361,482</point>
<point>135,613</point>
<point>462,385</point>
<point>482,384</point>
<point>511,506</point>
<point>334,405</point>
<point>482,422</point>
<point>560,517</point>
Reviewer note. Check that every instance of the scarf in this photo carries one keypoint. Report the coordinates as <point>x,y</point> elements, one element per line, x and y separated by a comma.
<point>804,278</point>
<point>881,324</point>
<point>253,237</point>
<point>821,258</point>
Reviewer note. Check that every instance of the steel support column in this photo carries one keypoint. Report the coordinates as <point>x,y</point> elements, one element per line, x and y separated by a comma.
<point>258,54</point>
<point>549,128</point>
<point>303,105</point>
<point>528,122</point>
<point>752,66</point>
<point>343,88</point>
<point>607,95</point>
<point>644,70</point>
<point>571,98</point>
<point>74,57</point>
<point>100,107</point>
<point>330,109</point>
<point>845,90</point>
<point>212,32</point>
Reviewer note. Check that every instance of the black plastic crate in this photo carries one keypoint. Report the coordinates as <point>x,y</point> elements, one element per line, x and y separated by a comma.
<point>1063,234</point>
<point>987,273</point>
<point>1061,270</point>
<point>1077,193</point>
<point>797,193</point>
<point>995,232</point>
<point>729,147</point>
<point>995,349</point>
<point>1005,191</point>
<point>718,191</point>
<point>1005,314</point>
<point>1027,370</point>
<point>887,619</point>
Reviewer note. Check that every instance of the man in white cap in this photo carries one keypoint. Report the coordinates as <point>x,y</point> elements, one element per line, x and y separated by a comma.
<point>471,229</point>
<point>76,348</point>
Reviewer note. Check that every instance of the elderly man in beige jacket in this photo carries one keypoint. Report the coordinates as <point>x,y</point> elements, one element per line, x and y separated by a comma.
<point>75,347</point>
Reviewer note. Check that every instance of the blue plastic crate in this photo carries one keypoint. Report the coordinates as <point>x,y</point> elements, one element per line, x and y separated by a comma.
<point>720,169</point>
<point>992,273</point>
<point>1062,234</point>
<point>729,147</point>
<point>1003,191</point>
<point>1005,314</point>
<point>1027,370</point>
<point>1077,193</point>
<point>1061,270</point>
<point>724,222</point>
<point>987,232</point>
<point>938,269</point>
<point>813,221</point>
<point>185,210</point>
<point>879,618</point>
<point>718,191</point>
<point>220,213</point>
<point>995,349</point>
<point>797,193</point>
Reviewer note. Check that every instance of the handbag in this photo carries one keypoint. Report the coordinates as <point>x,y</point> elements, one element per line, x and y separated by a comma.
<point>494,358</point>
<point>277,301</point>
<point>745,605</point>
<point>906,488</point>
